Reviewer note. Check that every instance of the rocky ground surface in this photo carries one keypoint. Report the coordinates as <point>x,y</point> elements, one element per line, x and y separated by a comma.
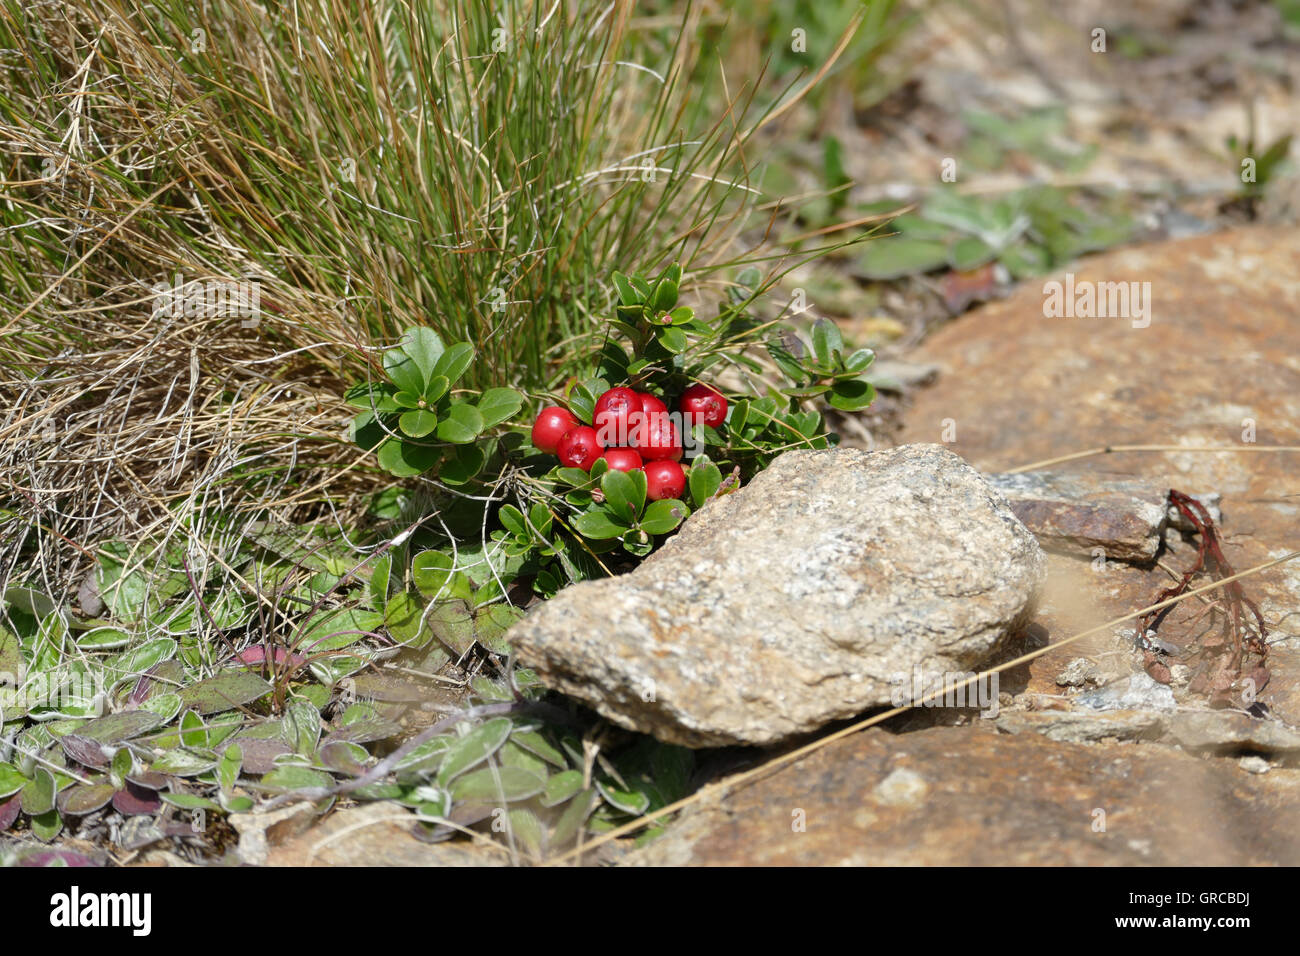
<point>1088,760</point>
<point>1078,756</point>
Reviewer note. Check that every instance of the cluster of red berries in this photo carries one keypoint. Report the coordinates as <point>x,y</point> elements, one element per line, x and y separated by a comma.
<point>632,430</point>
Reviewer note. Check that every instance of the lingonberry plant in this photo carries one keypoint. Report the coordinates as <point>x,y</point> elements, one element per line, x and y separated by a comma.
<point>676,402</point>
<point>629,469</point>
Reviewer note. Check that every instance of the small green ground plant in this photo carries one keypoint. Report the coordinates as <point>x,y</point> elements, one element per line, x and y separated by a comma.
<point>215,620</point>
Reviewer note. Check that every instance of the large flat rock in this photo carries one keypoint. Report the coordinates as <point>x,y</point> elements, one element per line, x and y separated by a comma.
<point>801,599</point>
<point>1219,365</point>
<point>968,796</point>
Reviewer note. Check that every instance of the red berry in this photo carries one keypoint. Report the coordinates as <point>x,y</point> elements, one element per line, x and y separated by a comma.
<point>612,414</point>
<point>652,403</point>
<point>704,404</point>
<point>656,437</point>
<point>550,427</point>
<point>579,448</point>
<point>622,459</point>
<point>649,407</point>
<point>664,479</point>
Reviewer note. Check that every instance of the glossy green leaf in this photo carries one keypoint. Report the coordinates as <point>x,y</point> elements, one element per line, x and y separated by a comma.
<point>435,388</point>
<point>498,404</point>
<point>406,459</point>
<point>512,519</point>
<point>625,493</point>
<point>663,516</point>
<point>665,296</point>
<point>452,364</point>
<point>786,361</point>
<point>704,481</point>
<point>627,295</point>
<point>418,423</point>
<point>367,431</point>
<point>465,463</point>
<point>851,395</point>
<point>371,396</point>
<point>598,525</point>
<point>859,361</point>
<point>672,338</point>
<point>411,364</point>
<point>462,425</point>
<point>582,398</point>
<point>539,516</point>
<point>826,340</point>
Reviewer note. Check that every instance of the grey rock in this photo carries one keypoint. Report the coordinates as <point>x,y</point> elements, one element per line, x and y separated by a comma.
<point>902,788</point>
<point>1082,512</point>
<point>1225,730</point>
<point>1079,673</point>
<point>1137,692</point>
<point>1083,727</point>
<point>1078,513</point>
<point>803,598</point>
<point>260,830</point>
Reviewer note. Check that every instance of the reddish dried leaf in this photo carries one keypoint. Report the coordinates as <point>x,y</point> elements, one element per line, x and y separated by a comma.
<point>85,751</point>
<point>148,779</point>
<point>256,654</point>
<point>136,801</point>
<point>9,811</point>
